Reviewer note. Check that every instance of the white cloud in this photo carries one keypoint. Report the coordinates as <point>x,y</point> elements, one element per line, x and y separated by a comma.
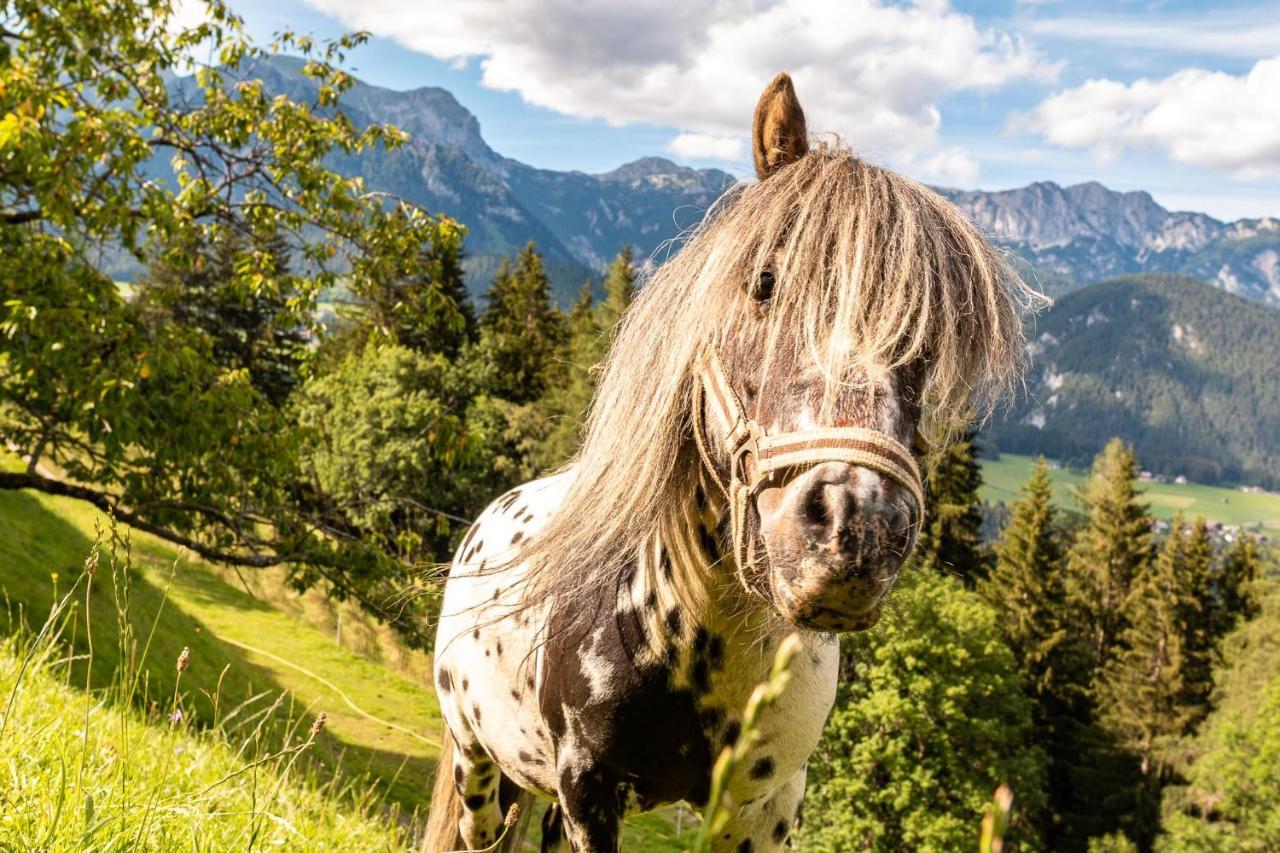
<point>1204,118</point>
<point>1246,33</point>
<point>705,146</point>
<point>951,166</point>
<point>873,71</point>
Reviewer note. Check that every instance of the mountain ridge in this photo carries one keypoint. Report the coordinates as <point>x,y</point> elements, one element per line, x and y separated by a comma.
<point>1060,237</point>
<point>1082,233</point>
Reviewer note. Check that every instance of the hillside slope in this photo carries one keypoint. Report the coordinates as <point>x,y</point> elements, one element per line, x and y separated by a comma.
<point>85,774</point>
<point>393,731</point>
<point>1184,372</point>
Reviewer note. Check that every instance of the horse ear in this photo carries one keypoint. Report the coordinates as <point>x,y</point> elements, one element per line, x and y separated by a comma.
<point>778,133</point>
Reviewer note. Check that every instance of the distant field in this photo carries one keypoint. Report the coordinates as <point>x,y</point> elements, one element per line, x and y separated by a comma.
<point>1004,476</point>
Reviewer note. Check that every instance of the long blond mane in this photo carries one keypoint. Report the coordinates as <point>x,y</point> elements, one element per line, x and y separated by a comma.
<point>874,271</point>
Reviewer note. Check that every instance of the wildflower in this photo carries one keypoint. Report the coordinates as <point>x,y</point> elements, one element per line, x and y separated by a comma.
<point>53,576</point>
<point>184,659</point>
<point>176,716</point>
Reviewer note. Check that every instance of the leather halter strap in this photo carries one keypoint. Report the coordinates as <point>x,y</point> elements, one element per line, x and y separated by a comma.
<point>755,455</point>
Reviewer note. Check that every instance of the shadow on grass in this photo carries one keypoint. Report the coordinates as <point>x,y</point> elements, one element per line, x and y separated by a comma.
<point>42,554</point>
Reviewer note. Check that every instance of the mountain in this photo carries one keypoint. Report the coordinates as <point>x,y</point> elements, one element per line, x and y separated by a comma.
<point>1183,371</point>
<point>579,221</point>
<point>1062,237</point>
<point>1076,235</point>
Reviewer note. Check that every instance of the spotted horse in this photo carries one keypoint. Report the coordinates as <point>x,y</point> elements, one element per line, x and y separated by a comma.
<point>749,470</point>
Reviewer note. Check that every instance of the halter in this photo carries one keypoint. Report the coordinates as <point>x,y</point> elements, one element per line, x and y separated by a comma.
<point>754,455</point>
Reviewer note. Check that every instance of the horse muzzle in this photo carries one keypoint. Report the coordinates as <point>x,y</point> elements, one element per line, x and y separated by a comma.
<point>836,537</point>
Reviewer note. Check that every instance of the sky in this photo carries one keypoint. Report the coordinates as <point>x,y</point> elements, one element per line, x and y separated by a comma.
<point>1180,99</point>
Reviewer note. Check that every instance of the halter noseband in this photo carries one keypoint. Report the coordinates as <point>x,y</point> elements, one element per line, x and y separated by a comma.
<point>754,455</point>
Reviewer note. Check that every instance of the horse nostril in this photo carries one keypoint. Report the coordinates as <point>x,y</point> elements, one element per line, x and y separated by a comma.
<point>814,509</point>
<point>826,508</point>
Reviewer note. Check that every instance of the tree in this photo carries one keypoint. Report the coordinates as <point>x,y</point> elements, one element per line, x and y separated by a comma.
<point>521,330</point>
<point>590,333</point>
<point>951,537</point>
<point>619,289</point>
<point>1110,549</point>
<point>140,421</point>
<point>564,406</point>
<point>1235,599</point>
<point>249,329</point>
<point>1197,618</point>
<point>402,445</point>
<point>1027,589</point>
<point>1232,764</point>
<point>930,717</point>
<point>1027,586</point>
<point>427,308</point>
<point>1144,698</point>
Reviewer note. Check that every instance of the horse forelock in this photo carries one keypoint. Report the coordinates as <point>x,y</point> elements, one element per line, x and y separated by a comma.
<point>874,272</point>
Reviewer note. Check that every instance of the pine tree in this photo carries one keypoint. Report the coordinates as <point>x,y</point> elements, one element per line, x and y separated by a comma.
<point>619,290</point>
<point>1235,598</point>
<point>1110,549</point>
<point>1027,588</point>
<point>430,311</point>
<point>569,395</point>
<point>951,537</point>
<point>1142,693</point>
<point>522,332</point>
<point>249,326</point>
<point>590,332</point>
<point>1026,584</point>
<point>1197,619</point>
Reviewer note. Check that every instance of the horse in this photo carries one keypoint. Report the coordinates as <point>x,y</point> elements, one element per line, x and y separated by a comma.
<point>750,468</point>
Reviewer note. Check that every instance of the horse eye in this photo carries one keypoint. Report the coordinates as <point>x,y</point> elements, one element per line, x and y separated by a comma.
<point>763,289</point>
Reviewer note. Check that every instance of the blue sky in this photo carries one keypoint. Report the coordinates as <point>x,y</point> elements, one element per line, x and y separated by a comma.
<point>1177,98</point>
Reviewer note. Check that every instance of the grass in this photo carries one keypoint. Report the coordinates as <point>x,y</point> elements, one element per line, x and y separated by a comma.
<point>126,767</point>
<point>1003,477</point>
<point>43,542</point>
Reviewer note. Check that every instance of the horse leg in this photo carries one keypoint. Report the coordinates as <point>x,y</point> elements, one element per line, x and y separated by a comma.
<point>592,805</point>
<point>765,824</point>
<point>553,837</point>
<point>477,778</point>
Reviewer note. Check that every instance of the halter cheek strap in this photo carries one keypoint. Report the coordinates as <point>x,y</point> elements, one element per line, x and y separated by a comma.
<point>754,455</point>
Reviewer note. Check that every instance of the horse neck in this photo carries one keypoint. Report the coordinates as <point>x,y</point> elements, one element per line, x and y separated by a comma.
<point>687,569</point>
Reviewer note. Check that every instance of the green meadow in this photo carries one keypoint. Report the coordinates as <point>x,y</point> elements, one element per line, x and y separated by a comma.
<point>1004,476</point>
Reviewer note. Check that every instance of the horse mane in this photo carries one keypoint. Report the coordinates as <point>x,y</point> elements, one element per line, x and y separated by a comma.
<point>874,271</point>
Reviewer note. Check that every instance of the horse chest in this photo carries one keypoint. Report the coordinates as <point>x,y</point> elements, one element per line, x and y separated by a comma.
<point>640,703</point>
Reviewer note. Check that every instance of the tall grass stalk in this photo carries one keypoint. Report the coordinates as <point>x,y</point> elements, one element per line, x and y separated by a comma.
<point>720,805</point>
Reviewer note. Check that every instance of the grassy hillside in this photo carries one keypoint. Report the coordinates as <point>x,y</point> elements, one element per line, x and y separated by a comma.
<point>1184,371</point>
<point>380,721</point>
<point>84,772</point>
<point>1004,476</point>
